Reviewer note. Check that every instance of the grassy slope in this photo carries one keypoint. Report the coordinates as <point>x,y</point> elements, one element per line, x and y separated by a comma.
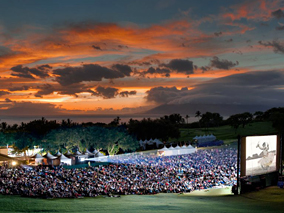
<point>227,133</point>
<point>258,202</point>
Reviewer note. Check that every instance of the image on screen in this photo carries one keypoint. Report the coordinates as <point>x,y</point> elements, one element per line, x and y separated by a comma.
<point>261,154</point>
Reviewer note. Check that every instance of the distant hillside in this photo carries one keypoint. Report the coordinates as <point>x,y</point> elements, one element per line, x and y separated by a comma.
<point>227,133</point>
<point>190,109</point>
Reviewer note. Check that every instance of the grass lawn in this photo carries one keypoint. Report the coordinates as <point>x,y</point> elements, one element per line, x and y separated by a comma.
<point>227,133</point>
<point>266,200</point>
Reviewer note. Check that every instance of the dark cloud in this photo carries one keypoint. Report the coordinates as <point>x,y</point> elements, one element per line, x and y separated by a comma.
<point>26,72</point>
<point>73,89</point>
<point>222,64</point>
<point>218,33</point>
<point>4,92</point>
<point>97,47</point>
<point>278,14</point>
<point>180,66</point>
<point>45,89</point>
<point>205,68</point>
<point>229,40</point>
<point>22,88</point>
<point>44,67</point>
<point>106,92</point>
<point>122,46</point>
<point>161,71</point>
<point>163,95</point>
<point>19,71</point>
<point>277,46</point>
<point>237,51</point>
<point>29,108</point>
<point>127,93</point>
<point>261,88</point>
<point>8,100</point>
<point>125,69</point>
<point>89,72</point>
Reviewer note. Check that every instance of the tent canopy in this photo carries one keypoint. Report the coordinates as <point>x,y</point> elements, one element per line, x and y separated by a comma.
<point>50,156</point>
<point>63,157</point>
<point>37,156</point>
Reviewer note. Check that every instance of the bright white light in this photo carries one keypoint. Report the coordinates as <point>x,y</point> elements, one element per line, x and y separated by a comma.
<point>14,163</point>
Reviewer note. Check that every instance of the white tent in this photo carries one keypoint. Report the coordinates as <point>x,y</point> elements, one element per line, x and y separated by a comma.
<point>65,160</point>
<point>205,138</point>
<point>38,159</point>
<point>176,150</point>
<point>164,149</point>
<point>150,142</point>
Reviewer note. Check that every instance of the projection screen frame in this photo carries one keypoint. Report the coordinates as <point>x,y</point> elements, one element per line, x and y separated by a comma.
<point>243,154</point>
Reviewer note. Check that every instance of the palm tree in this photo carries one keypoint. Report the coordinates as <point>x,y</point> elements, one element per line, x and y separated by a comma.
<point>17,150</point>
<point>187,117</point>
<point>198,115</point>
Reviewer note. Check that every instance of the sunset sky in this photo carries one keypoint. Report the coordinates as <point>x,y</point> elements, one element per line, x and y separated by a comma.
<point>128,56</point>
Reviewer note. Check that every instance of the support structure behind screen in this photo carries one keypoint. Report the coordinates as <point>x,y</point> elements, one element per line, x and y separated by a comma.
<point>259,154</point>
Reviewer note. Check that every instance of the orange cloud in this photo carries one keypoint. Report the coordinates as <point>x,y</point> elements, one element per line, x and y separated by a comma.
<point>254,10</point>
<point>94,40</point>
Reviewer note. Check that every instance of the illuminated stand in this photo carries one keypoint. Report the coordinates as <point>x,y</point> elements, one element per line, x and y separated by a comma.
<point>258,162</point>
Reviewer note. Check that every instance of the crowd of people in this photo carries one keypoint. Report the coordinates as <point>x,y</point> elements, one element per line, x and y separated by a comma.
<point>135,175</point>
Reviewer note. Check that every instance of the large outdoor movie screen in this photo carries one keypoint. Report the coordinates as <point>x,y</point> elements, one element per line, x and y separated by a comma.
<point>261,154</point>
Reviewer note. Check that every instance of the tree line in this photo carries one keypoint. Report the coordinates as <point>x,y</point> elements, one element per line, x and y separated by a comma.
<point>111,138</point>
<point>119,136</point>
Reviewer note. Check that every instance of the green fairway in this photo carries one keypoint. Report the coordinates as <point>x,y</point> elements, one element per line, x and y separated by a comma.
<point>227,133</point>
<point>267,200</point>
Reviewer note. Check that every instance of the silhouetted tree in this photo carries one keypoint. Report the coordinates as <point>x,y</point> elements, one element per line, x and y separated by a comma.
<point>150,129</point>
<point>198,115</point>
<point>209,119</point>
<point>258,116</point>
<point>187,117</point>
<point>115,121</point>
<point>238,120</point>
